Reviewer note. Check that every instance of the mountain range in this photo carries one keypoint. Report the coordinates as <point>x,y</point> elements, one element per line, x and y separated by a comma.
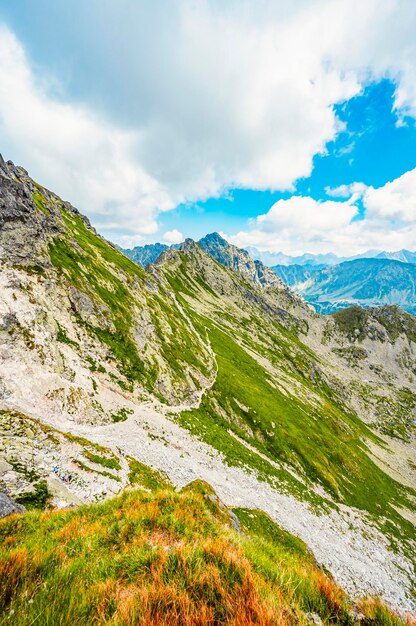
<point>322,280</point>
<point>237,455</point>
<point>366,282</point>
<point>278,258</point>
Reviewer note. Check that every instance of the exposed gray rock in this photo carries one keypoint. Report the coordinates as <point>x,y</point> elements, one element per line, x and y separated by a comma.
<point>8,505</point>
<point>28,219</point>
<point>238,259</point>
<point>235,522</point>
<point>23,225</point>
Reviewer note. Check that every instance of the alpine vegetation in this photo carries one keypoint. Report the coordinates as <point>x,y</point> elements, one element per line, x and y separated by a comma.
<point>191,443</point>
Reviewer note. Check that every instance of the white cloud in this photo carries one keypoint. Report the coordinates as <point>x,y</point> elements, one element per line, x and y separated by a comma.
<point>302,224</point>
<point>301,214</point>
<point>346,191</point>
<point>299,224</point>
<point>85,159</point>
<point>182,103</point>
<point>396,200</point>
<point>173,236</point>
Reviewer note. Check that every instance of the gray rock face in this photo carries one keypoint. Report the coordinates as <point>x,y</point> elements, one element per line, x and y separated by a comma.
<point>235,522</point>
<point>238,259</point>
<point>22,223</point>
<point>9,506</point>
<point>28,218</point>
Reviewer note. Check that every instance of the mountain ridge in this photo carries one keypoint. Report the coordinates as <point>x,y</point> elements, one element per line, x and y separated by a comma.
<point>313,279</point>
<point>196,369</point>
<point>310,259</point>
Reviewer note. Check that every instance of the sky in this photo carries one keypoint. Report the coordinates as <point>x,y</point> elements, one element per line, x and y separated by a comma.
<point>285,125</point>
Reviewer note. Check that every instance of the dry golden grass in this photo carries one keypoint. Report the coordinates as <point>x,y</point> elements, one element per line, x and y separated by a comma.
<point>164,559</point>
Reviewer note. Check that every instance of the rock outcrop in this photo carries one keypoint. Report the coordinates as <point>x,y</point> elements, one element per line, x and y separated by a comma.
<point>238,259</point>
<point>8,506</point>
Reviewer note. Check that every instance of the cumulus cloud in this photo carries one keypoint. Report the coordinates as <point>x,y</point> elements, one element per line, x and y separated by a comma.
<point>299,224</point>
<point>162,103</point>
<point>173,236</point>
<point>346,191</point>
<point>302,224</point>
<point>395,201</point>
<point>85,159</point>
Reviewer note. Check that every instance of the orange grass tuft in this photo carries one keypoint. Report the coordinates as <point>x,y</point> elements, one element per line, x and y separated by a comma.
<point>160,559</point>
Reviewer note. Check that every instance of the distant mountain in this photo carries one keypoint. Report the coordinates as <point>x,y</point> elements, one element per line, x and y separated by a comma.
<point>219,249</point>
<point>401,255</point>
<point>367,282</point>
<point>143,255</point>
<point>384,278</point>
<point>296,275</point>
<point>278,258</point>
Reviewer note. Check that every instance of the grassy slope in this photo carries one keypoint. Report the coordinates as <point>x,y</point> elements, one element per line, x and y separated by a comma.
<point>311,431</point>
<point>120,291</point>
<point>322,441</point>
<point>163,558</point>
<point>304,426</point>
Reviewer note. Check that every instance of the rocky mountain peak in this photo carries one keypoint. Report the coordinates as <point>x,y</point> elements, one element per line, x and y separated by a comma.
<point>239,259</point>
<point>30,216</point>
<point>213,238</point>
<point>143,255</point>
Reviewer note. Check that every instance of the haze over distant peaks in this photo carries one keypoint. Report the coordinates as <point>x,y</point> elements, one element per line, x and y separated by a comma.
<point>279,258</point>
<point>366,282</point>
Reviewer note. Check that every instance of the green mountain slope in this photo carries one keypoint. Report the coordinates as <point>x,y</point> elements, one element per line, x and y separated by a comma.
<point>271,393</point>
<point>114,310</point>
<point>315,410</point>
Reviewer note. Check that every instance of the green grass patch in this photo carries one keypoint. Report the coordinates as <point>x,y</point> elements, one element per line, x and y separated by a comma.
<point>255,522</point>
<point>62,337</point>
<point>142,558</point>
<point>38,200</point>
<point>121,415</point>
<point>141,474</point>
<point>38,498</point>
<point>112,463</point>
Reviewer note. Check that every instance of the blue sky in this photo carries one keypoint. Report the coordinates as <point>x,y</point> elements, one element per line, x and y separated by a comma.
<point>373,149</point>
<point>166,120</point>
